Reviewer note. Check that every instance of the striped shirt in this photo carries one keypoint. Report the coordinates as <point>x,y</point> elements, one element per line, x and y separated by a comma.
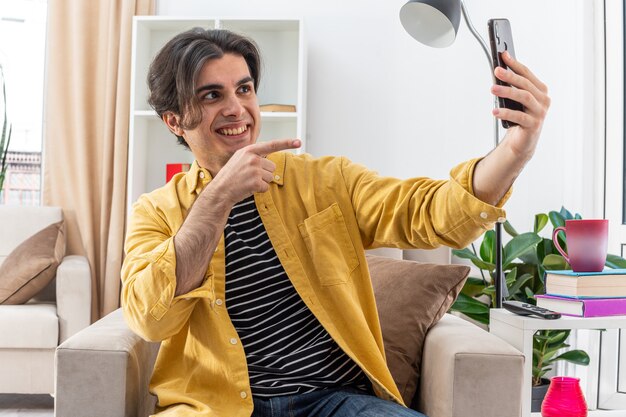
<point>287,349</point>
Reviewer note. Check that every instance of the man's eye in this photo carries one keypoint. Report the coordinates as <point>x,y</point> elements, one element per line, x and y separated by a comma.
<point>245,89</point>
<point>211,95</point>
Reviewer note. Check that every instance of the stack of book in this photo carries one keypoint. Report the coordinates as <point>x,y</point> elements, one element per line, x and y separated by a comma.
<point>585,294</point>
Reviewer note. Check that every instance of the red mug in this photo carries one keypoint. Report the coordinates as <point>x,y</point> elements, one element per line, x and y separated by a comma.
<point>587,242</point>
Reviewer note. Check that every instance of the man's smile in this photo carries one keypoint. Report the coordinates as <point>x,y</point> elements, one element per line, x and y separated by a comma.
<point>233,131</point>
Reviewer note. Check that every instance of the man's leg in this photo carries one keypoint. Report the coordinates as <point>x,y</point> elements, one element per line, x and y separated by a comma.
<point>348,402</point>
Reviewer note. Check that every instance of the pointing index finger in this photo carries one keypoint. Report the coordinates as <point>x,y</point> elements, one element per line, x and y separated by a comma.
<point>266,148</point>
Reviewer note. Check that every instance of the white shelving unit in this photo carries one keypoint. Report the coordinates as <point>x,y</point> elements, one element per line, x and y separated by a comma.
<point>519,331</point>
<point>283,81</point>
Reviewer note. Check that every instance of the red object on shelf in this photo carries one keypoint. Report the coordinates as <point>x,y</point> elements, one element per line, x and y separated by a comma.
<point>173,169</point>
<point>564,398</point>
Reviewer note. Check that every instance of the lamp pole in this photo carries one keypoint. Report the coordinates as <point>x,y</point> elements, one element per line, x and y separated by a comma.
<point>499,283</point>
<point>435,23</point>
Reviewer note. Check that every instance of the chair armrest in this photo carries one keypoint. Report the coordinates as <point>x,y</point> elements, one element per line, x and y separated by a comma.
<point>469,372</point>
<point>73,295</point>
<point>104,371</point>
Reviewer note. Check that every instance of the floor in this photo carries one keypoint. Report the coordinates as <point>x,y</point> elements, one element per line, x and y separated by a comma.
<point>18,405</point>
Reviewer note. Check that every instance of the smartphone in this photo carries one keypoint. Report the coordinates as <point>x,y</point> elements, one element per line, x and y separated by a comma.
<point>501,39</point>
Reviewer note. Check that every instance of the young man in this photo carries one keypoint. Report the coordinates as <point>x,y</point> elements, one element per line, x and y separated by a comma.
<point>250,268</point>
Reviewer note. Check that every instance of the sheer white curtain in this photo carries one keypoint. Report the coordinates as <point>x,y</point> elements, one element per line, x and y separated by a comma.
<point>86,113</point>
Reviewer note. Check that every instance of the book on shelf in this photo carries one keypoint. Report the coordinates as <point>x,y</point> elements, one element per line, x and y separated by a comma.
<point>610,283</point>
<point>287,108</point>
<point>173,169</point>
<point>583,307</point>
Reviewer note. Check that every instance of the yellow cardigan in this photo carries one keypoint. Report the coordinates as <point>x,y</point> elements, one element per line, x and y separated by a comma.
<point>320,215</point>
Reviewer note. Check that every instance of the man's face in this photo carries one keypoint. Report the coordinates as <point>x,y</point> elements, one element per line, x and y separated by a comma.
<point>230,112</point>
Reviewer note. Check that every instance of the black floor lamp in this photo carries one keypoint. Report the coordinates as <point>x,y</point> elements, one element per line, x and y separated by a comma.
<point>435,23</point>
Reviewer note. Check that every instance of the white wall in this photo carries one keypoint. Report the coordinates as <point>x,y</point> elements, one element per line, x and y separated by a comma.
<point>384,100</point>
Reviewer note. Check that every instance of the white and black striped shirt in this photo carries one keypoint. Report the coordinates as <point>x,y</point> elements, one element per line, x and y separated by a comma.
<point>287,349</point>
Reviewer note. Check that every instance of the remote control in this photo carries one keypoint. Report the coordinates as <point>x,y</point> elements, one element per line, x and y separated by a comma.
<point>525,309</point>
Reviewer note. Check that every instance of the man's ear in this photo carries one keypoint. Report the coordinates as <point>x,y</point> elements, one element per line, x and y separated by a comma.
<point>172,121</point>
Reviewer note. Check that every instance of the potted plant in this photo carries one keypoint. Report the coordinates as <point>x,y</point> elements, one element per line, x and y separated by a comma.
<point>526,257</point>
<point>5,139</point>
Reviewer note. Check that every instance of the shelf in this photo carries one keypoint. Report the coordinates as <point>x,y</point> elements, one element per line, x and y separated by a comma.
<point>145,113</point>
<point>259,25</point>
<point>264,115</point>
<point>565,322</point>
<point>279,115</point>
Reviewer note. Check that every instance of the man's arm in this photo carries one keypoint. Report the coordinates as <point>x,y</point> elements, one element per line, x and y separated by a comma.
<point>246,173</point>
<point>495,173</point>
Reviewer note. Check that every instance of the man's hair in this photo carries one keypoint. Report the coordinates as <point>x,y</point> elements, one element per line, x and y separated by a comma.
<point>173,72</point>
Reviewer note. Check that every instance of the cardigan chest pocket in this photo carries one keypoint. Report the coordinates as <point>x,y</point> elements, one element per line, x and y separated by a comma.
<point>330,247</point>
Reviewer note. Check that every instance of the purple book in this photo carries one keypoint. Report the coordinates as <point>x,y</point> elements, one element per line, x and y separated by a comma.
<point>583,307</point>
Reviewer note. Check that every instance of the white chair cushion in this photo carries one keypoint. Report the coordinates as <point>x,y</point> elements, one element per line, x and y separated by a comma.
<point>29,326</point>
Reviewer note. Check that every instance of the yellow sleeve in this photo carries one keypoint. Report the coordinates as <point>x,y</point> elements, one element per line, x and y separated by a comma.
<point>149,278</point>
<point>419,212</point>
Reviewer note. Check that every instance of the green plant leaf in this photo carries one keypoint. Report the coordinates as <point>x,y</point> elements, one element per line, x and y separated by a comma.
<point>469,305</point>
<point>577,356</point>
<point>557,337</point>
<point>556,219</point>
<point>490,290</point>
<point>615,262</point>
<point>511,275</point>
<point>519,245</point>
<point>543,372</point>
<point>5,139</point>
<point>549,248</point>
<point>464,253</point>
<point>473,286</point>
<point>487,247</point>
<point>532,257</point>
<point>566,214</point>
<point>467,254</point>
<point>554,262</point>
<point>519,283</point>
<point>548,356</point>
<point>541,220</point>
<point>508,227</point>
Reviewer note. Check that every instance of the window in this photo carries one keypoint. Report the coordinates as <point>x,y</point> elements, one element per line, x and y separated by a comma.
<point>22,54</point>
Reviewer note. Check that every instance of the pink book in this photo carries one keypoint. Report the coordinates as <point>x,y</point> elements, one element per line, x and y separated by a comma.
<point>583,307</point>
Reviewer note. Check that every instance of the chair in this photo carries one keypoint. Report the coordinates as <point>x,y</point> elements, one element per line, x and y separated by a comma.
<point>30,332</point>
<point>104,370</point>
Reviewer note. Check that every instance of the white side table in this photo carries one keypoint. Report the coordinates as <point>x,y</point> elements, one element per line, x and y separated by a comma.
<point>518,331</point>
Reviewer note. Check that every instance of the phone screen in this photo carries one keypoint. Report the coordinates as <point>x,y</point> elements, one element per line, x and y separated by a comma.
<point>500,40</point>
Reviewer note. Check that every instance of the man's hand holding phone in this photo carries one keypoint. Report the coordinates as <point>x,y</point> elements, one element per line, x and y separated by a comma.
<point>495,173</point>
<point>522,98</point>
<point>525,88</point>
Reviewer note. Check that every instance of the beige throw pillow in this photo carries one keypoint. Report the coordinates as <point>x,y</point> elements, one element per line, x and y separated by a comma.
<point>32,265</point>
<point>411,297</point>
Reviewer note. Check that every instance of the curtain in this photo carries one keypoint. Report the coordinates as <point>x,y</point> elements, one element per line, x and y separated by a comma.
<point>86,115</point>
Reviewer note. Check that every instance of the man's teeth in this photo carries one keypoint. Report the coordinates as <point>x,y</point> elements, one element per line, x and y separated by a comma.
<point>232,132</point>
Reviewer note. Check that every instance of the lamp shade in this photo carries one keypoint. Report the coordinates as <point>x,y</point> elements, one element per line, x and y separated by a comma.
<point>432,22</point>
